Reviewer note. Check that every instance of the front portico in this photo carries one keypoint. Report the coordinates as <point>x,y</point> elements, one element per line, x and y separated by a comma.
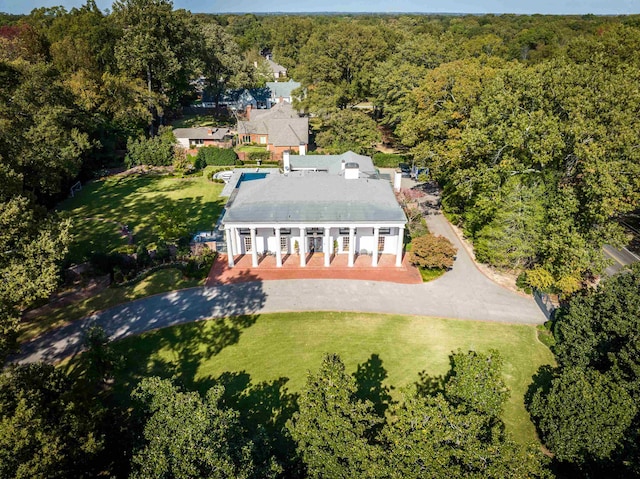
<point>329,240</point>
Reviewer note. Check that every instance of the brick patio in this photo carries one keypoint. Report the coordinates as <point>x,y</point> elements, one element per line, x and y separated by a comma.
<point>315,269</point>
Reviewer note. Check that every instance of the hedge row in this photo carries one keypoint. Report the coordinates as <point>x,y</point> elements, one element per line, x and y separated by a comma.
<point>389,160</point>
<point>214,156</point>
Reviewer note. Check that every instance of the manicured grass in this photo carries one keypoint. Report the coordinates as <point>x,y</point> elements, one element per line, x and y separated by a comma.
<point>158,282</point>
<point>135,201</point>
<point>430,274</point>
<point>277,350</point>
<point>251,148</point>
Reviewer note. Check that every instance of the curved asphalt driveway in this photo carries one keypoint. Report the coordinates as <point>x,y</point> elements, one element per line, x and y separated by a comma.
<point>462,293</point>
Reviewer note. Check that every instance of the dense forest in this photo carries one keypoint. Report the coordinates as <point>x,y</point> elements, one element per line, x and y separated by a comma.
<point>530,125</point>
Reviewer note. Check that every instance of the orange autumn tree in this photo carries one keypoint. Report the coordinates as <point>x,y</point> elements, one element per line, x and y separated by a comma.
<point>432,252</point>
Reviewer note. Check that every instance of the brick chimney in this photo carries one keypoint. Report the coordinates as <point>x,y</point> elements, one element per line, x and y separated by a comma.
<point>248,112</point>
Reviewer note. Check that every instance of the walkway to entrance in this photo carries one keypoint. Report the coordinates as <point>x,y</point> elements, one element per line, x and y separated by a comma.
<point>315,269</point>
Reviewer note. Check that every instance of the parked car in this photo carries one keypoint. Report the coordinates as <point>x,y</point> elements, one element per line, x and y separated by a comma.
<point>405,169</point>
<point>416,172</point>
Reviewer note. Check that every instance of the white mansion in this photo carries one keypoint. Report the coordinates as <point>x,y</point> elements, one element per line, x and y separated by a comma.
<point>329,204</point>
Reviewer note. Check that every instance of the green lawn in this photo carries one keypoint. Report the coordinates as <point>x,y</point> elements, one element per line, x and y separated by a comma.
<point>135,201</point>
<point>271,354</point>
<point>430,274</point>
<point>251,148</point>
<point>158,282</point>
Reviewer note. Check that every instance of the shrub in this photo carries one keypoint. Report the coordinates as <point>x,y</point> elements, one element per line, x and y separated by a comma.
<point>162,251</point>
<point>431,251</point>
<point>209,171</point>
<point>142,256</point>
<point>522,283</point>
<point>540,278</point>
<point>255,156</point>
<point>156,151</point>
<point>198,266</point>
<point>181,161</point>
<point>214,156</point>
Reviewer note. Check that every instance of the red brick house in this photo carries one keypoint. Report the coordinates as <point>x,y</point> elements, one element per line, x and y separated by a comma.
<point>279,129</point>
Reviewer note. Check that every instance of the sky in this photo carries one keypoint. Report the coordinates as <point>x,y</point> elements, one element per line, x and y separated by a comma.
<point>598,7</point>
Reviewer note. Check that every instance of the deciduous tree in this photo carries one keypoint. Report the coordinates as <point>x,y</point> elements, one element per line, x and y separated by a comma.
<point>332,427</point>
<point>187,436</point>
<point>432,251</point>
<point>44,431</point>
<point>348,130</point>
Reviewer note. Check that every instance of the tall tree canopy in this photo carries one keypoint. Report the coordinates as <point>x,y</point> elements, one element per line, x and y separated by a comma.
<point>336,65</point>
<point>45,431</point>
<point>158,44</point>
<point>348,130</point>
<point>537,161</point>
<point>187,436</point>
<point>333,426</point>
<point>588,414</point>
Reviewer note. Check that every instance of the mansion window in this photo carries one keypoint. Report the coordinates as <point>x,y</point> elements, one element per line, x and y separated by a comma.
<point>284,244</point>
<point>315,231</point>
<point>247,244</point>
<point>381,243</point>
<point>345,243</point>
<point>196,142</point>
<point>385,231</point>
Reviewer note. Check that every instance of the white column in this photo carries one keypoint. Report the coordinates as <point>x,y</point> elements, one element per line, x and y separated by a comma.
<point>254,248</point>
<point>235,241</point>
<point>376,237</point>
<point>327,247</point>
<point>278,249</point>
<point>227,235</point>
<point>352,245</point>
<point>400,246</point>
<point>303,247</point>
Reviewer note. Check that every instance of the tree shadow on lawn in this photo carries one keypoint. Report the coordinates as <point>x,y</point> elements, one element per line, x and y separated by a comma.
<point>144,217</point>
<point>540,384</point>
<point>101,196</point>
<point>192,214</point>
<point>264,410</point>
<point>268,406</point>
<point>177,352</point>
<point>429,385</point>
<point>136,201</point>
<point>369,377</point>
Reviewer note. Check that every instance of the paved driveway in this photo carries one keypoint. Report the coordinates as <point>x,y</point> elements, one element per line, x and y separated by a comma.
<point>462,293</point>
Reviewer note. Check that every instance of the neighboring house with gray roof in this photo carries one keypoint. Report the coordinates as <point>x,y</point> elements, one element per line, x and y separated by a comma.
<point>240,99</point>
<point>314,210</point>
<point>281,91</point>
<point>278,70</point>
<point>190,138</point>
<point>279,129</point>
